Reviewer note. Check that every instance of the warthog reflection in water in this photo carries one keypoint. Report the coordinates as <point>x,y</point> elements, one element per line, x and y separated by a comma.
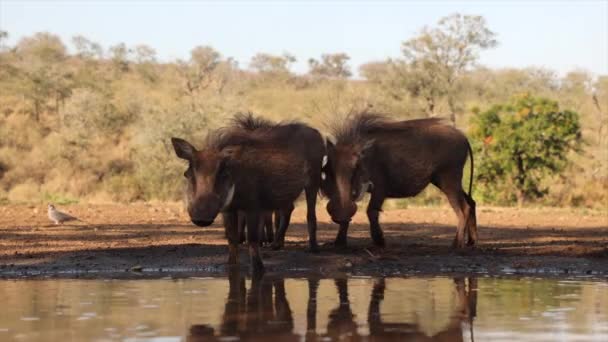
<point>258,314</point>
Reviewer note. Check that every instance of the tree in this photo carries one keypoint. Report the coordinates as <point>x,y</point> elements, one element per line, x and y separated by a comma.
<point>600,101</point>
<point>3,37</point>
<point>44,75</point>
<point>43,46</point>
<point>86,48</point>
<point>197,72</point>
<point>437,58</point>
<point>119,55</point>
<point>397,82</point>
<point>6,68</point>
<point>88,112</point>
<point>521,144</point>
<point>225,72</point>
<point>272,65</point>
<point>331,65</point>
<point>145,58</point>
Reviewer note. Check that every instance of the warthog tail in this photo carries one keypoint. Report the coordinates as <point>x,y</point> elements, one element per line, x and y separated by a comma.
<point>471,174</point>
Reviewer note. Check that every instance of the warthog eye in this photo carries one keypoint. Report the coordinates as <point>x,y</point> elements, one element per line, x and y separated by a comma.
<point>188,173</point>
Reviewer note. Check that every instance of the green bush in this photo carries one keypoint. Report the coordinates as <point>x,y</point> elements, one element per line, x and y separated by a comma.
<point>520,145</point>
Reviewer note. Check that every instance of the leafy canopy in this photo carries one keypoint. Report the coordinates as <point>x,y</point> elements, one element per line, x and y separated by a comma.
<point>521,144</point>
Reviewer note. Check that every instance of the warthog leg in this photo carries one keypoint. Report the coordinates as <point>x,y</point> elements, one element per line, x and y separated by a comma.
<point>341,239</point>
<point>268,227</point>
<point>373,212</point>
<point>461,209</point>
<point>242,222</point>
<point>267,237</point>
<point>450,183</point>
<point>231,227</point>
<point>283,223</point>
<point>471,221</point>
<point>311,218</point>
<point>255,226</point>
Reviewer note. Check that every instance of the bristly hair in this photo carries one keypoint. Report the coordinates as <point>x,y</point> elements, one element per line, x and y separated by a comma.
<point>358,125</point>
<point>248,129</point>
<point>250,122</point>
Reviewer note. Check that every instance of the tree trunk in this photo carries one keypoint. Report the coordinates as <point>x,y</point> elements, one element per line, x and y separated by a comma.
<point>521,198</point>
<point>36,110</point>
<point>430,105</point>
<point>600,128</point>
<point>452,110</point>
<point>521,179</point>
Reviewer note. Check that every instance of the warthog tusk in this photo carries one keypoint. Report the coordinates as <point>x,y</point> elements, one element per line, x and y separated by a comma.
<point>324,161</point>
<point>364,188</point>
<point>229,197</point>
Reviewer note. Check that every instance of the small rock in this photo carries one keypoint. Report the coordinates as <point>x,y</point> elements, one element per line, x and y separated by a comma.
<point>348,264</point>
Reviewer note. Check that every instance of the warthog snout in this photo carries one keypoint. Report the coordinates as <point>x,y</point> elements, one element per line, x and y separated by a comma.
<point>202,223</point>
<point>341,214</point>
<point>204,210</point>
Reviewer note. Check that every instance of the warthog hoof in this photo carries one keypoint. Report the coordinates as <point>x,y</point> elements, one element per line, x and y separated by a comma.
<point>275,246</point>
<point>313,249</point>
<point>457,244</point>
<point>379,242</point>
<point>340,243</point>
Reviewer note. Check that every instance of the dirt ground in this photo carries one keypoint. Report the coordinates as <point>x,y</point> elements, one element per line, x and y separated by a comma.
<point>153,239</point>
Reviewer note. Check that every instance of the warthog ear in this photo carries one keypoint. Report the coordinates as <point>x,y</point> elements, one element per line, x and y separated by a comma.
<point>183,149</point>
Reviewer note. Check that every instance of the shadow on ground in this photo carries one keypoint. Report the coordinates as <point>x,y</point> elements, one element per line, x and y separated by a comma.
<point>411,247</point>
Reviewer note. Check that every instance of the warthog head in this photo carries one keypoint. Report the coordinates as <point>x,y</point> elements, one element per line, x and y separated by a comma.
<point>210,185</point>
<point>345,178</point>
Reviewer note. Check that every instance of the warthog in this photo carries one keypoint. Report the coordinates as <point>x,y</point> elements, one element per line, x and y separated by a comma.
<point>253,171</point>
<point>251,123</point>
<point>396,159</point>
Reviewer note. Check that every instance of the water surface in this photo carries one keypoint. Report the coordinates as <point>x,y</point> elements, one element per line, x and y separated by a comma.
<point>300,309</point>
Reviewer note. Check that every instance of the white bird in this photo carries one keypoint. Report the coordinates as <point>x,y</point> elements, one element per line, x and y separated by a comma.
<point>58,217</point>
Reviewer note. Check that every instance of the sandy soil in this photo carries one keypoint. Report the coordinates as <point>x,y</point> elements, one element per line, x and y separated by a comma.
<point>122,239</point>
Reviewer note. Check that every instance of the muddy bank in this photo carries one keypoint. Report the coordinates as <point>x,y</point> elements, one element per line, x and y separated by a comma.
<point>158,240</point>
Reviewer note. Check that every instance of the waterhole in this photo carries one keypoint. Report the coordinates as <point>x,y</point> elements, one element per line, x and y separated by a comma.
<point>304,309</point>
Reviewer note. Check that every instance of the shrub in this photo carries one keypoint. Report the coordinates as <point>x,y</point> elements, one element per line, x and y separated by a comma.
<point>521,144</point>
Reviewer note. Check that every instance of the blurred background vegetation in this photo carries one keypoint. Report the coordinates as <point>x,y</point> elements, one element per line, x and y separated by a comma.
<point>84,122</point>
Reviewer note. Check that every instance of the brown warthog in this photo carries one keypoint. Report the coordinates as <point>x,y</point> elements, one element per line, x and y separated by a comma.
<point>252,123</point>
<point>255,172</point>
<point>396,159</point>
